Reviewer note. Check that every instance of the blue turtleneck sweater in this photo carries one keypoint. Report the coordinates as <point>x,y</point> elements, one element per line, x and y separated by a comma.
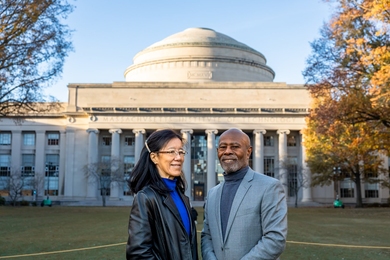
<point>171,184</point>
<point>232,181</point>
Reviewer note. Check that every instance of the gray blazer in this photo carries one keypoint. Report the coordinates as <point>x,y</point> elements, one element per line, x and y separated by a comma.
<point>257,224</point>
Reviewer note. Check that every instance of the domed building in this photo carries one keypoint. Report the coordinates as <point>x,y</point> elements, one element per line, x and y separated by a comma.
<point>199,54</point>
<point>199,82</point>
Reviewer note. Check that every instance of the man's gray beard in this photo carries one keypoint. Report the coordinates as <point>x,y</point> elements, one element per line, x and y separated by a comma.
<point>231,168</point>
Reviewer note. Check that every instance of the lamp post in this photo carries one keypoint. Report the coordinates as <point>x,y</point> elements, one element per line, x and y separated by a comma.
<point>336,173</point>
<point>48,180</point>
<point>47,201</point>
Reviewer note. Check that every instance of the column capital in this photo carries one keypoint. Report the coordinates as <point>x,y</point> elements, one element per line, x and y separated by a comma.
<point>115,131</point>
<point>16,131</point>
<point>259,131</point>
<point>139,131</point>
<point>283,131</point>
<point>211,131</point>
<point>187,131</point>
<point>92,130</point>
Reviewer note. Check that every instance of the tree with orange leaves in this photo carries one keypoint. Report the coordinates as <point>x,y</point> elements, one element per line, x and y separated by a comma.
<point>357,149</point>
<point>351,60</point>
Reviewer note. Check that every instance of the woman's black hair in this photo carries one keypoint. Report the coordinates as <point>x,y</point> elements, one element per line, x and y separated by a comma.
<point>145,171</point>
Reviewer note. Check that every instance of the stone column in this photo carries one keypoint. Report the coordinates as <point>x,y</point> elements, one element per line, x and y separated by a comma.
<point>306,174</point>
<point>258,150</point>
<point>40,160</point>
<point>211,151</point>
<point>283,158</point>
<point>61,174</point>
<point>186,133</point>
<point>139,143</point>
<point>16,154</point>
<point>93,159</point>
<point>70,159</point>
<point>16,145</point>
<point>116,189</point>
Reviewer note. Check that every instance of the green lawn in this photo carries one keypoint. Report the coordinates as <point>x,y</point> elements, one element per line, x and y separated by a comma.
<point>101,233</point>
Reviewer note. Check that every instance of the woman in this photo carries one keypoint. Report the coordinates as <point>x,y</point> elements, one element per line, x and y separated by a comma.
<point>160,225</point>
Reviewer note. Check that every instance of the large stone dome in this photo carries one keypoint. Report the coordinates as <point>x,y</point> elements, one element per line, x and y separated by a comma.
<point>199,54</point>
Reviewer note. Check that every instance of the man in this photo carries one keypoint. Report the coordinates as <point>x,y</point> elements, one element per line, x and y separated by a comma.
<point>246,215</point>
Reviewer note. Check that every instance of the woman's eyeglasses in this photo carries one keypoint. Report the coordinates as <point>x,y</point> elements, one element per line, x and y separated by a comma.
<point>174,153</point>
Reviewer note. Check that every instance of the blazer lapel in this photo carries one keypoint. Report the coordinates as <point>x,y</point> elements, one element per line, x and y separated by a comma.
<point>238,198</point>
<point>218,210</point>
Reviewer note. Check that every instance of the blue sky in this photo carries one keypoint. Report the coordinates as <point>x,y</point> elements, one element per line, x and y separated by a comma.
<point>109,33</point>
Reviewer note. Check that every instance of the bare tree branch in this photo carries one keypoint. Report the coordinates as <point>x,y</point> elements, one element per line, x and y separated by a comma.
<point>33,46</point>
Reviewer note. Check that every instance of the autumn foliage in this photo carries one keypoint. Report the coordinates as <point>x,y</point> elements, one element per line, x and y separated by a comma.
<point>348,75</point>
<point>352,60</point>
<point>358,149</point>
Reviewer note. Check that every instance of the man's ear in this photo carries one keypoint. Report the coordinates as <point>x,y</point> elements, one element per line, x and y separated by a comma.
<point>249,151</point>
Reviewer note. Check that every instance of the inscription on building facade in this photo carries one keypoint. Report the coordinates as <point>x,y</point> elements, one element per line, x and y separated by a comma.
<point>200,75</point>
<point>198,119</point>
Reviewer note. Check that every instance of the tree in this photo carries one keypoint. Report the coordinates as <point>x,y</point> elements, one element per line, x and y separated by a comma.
<point>351,60</point>
<point>296,177</point>
<point>108,175</point>
<point>355,148</point>
<point>15,185</point>
<point>33,47</point>
<point>35,183</point>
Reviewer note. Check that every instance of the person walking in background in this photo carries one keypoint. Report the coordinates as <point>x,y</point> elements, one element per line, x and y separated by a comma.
<point>160,223</point>
<point>246,215</point>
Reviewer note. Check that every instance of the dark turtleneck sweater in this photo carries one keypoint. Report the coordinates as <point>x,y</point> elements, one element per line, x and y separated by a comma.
<point>232,181</point>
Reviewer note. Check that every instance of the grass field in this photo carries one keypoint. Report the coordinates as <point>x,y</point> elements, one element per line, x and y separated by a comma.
<point>101,233</point>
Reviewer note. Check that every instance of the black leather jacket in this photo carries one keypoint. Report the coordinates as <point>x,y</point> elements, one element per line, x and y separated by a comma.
<point>156,230</point>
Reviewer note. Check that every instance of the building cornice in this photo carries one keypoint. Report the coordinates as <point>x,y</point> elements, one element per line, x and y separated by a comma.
<point>191,85</point>
<point>193,110</point>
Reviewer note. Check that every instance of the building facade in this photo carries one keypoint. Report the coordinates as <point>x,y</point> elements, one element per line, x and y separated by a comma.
<point>198,82</point>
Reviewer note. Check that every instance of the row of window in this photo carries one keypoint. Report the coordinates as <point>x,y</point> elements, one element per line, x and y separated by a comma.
<point>107,140</point>
<point>268,140</point>
<point>128,163</point>
<point>29,138</point>
<point>28,165</point>
<point>52,169</point>
<point>53,139</point>
<point>30,185</point>
<point>347,186</point>
<point>347,189</point>
<point>350,193</point>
